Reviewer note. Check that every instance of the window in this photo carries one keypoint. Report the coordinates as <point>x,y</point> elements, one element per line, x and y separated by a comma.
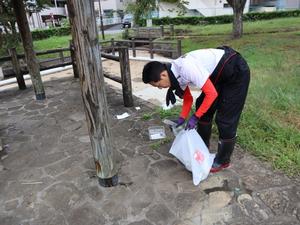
<point>108,13</point>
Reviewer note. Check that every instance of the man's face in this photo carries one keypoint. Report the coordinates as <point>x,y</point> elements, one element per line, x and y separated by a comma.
<point>164,81</point>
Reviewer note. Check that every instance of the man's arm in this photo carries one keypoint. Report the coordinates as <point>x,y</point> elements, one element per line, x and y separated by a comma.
<point>210,96</point>
<point>187,103</point>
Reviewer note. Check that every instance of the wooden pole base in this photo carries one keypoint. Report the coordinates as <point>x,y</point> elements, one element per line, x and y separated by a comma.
<point>40,96</point>
<point>108,182</point>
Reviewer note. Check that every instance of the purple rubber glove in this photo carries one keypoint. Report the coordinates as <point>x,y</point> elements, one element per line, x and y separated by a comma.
<point>180,121</point>
<point>191,124</point>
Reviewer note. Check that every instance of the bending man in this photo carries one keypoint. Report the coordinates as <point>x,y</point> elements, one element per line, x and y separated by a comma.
<point>223,76</point>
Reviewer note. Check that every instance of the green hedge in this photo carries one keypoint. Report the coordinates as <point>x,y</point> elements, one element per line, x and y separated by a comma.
<point>46,33</point>
<point>253,16</point>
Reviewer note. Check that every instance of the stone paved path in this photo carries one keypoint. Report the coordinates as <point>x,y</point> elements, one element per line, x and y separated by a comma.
<point>47,173</point>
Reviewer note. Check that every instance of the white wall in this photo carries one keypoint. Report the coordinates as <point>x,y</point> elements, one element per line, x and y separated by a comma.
<point>167,9</point>
<point>292,4</point>
<point>266,9</point>
<point>109,5</point>
<point>204,7</point>
<point>119,5</point>
<point>35,20</point>
<point>54,11</point>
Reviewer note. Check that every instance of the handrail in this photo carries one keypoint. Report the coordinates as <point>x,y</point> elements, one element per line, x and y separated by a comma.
<point>62,60</point>
<point>108,56</point>
<point>132,45</point>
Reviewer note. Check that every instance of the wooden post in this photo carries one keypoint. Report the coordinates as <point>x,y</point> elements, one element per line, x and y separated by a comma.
<point>113,46</point>
<point>162,33</point>
<point>179,48</point>
<point>84,33</point>
<point>172,30</point>
<point>17,68</point>
<point>125,76</point>
<point>126,33</point>
<point>101,20</point>
<point>73,59</point>
<point>31,59</point>
<point>1,74</point>
<point>133,47</point>
<point>61,55</point>
<point>151,47</point>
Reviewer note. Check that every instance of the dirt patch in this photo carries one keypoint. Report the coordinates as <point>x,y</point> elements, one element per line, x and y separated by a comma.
<point>136,68</point>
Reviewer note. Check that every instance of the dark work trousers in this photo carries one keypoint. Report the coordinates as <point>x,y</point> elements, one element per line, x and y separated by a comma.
<point>232,87</point>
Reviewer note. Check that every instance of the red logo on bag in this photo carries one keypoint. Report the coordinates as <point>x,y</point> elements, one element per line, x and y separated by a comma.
<point>198,156</point>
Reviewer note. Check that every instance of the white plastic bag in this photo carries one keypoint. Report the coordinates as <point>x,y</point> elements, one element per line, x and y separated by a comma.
<point>189,148</point>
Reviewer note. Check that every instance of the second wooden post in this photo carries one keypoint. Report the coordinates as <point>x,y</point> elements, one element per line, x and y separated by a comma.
<point>125,76</point>
<point>17,68</point>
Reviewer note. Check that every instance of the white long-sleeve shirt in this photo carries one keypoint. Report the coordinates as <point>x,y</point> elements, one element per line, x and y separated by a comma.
<point>194,68</point>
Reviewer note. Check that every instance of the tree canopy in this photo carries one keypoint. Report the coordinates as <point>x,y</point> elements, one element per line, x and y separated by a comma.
<point>8,20</point>
<point>143,8</point>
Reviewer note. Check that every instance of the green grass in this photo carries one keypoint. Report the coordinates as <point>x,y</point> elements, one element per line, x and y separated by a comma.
<point>262,26</point>
<point>56,42</point>
<point>270,124</point>
<point>173,113</point>
<point>147,116</point>
<point>52,43</point>
<point>156,145</point>
<point>63,42</point>
<point>162,114</point>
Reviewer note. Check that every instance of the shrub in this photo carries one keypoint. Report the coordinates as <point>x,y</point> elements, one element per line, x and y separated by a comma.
<point>46,33</point>
<point>197,20</point>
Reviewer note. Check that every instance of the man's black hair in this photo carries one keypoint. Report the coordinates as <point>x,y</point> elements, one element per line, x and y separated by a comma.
<point>152,71</point>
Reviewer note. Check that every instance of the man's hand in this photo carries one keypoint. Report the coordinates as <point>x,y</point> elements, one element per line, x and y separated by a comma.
<point>180,121</point>
<point>191,124</point>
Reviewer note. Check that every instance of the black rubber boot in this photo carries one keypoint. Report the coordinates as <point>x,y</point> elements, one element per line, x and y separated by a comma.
<point>204,130</point>
<point>222,159</point>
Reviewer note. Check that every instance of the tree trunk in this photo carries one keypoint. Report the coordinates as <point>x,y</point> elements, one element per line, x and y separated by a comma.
<point>85,36</point>
<point>238,8</point>
<point>32,62</point>
<point>13,27</point>
<point>237,31</point>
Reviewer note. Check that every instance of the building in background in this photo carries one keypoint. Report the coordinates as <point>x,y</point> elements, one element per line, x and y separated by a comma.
<point>113,11</point>
<point>199,8</point>
<point>111,8</point>
<point>50,15</point>
<point>221,7</point>
<point>54,14</point>
<point>273,5</point>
